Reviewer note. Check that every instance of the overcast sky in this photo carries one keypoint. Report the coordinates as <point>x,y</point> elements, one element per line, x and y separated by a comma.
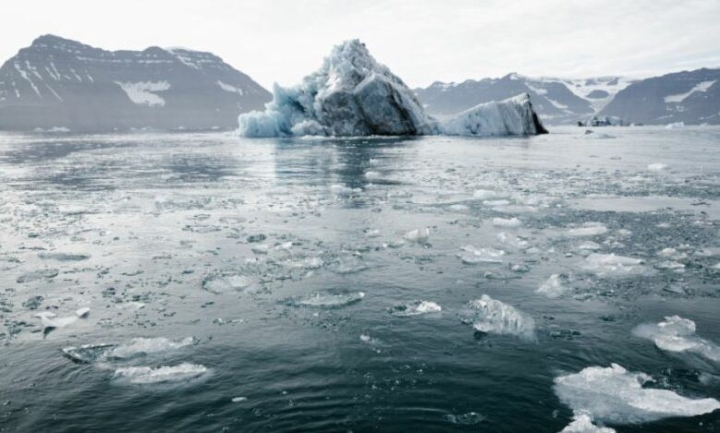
<point>420,40</point>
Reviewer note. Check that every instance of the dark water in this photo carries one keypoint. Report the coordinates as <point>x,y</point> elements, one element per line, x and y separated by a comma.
<point>259,251</point>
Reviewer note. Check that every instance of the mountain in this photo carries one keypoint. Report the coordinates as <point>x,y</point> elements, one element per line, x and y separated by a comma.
<point>59,83</point>
<point>556,100</point>
<point>352,94</point>
<point>692,97</point>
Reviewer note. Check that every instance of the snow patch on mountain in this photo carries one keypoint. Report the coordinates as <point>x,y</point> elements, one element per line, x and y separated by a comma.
<point>700,87</point>
<point>143,93</point>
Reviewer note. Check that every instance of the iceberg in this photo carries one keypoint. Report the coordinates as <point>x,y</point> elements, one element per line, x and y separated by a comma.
<point>354,95</point>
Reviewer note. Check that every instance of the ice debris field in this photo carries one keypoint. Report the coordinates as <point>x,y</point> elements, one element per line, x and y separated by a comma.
<point>442,283</point>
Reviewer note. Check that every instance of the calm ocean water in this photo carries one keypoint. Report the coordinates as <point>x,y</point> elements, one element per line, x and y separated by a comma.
<point>337,285</point>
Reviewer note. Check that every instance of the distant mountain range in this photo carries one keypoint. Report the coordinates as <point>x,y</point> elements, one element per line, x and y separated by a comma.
<point>690,97</point>
<point>61,84</point>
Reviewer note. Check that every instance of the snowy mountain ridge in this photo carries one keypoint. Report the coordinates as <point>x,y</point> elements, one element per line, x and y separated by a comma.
<point>58,82</point>
<point>556,100</point>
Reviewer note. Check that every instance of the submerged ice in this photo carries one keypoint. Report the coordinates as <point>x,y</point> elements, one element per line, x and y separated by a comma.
<point>354,95</point>
<point>617,396</point>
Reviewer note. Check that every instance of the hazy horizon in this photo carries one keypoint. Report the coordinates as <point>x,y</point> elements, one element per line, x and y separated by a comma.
<point>282,41</point>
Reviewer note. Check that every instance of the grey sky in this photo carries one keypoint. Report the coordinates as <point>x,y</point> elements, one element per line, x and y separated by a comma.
<point>421,40</point>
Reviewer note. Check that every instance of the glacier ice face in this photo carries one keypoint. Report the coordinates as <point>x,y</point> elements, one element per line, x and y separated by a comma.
<point>354,95</point>
<point>615,395</point>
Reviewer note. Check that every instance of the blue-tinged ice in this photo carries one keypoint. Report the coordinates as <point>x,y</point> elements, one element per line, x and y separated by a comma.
<point>354,95</point>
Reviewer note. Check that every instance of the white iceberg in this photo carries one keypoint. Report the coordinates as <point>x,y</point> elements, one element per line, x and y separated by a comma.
<point>145,375</point>
<point>615,395</point>
<point>354,95</point>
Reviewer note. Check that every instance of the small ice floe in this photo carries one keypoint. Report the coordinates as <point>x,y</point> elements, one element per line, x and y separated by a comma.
<point>672,254</point>
<point>470,418</point>
<point>555,286</point>
<point>491,316</point>
<point>677,334</point>
<point>589,246</point>
<point>511,223</point>
<point>348,265</point>
<point>657,166</point>
<point>87,353</point>
<point>219,284</point>
<point>260,249</point>
<point>671,265</point>
<point>611,265</point>
<point>327,299</point>
<point>64,257</point>
<point>238,399</point>
<point>50,320</point>
<point>418,236</point>
<point>616,396</point>
<point>473,256</point>
<point>415,308</point>
<point>42,274</point>
<point>144,375</point>
<point>513,241</point>
<point>145,346</point>
<point>458,208</point>
<point>485,194</point>
<point>583,423</point>
<point>588,230</point>
<point>136,347</point>
<point>372,233</point>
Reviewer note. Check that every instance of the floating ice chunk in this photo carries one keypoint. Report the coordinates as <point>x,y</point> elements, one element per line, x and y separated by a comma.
<point>677,334</point>
<point>219,284</point>
<point>717,266</point>
<point>495,317</point>
<point>496,203</point>
<point>166,374</point>
<point>51,321</point>
<point>473,256</point>
<point>146,346</point>
<point>582,423</point>
<point>82,312</point>
<point>470,418</point>
<point>64,257</point>
<point>507,222</point>
<point>415,308</point>
<point>420,236</point>
<point>372,233</point>
<point>589,246</point>
<point>657,167</point>
<point>615,395</point>
<point>675,125</point>
<point>43,274</point>
<point>458,207</point>
<point>327,299</point>
<point>513,241</point>
<point>554,287</point>
<point>673,254</point>
<point>485,194</point>
<point>238,399</point>
<point>589,229</point>
<point>612,265</point>
<point>671,265</point>
<point>87,353</point>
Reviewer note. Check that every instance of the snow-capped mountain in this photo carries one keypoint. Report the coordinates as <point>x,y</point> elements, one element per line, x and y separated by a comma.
<point>692,97</point>
<point>352,94</point>
<point>59,83</point>
<point>556,100</point>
